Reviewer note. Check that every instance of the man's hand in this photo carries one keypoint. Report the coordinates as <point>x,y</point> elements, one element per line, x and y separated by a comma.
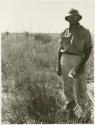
<point>59,71</point>
<point>72,73</point>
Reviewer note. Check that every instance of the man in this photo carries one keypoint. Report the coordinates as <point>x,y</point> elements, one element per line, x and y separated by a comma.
<point>75,49</point>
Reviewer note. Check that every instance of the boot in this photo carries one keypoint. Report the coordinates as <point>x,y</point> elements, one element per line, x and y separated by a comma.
<point>71,112</point>
<point>71,105</point>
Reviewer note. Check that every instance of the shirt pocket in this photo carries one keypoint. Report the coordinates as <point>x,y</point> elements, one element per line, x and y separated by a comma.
<point>80,45</point>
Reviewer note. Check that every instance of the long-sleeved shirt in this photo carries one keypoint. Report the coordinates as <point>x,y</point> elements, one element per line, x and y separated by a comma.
<point>75,40</point>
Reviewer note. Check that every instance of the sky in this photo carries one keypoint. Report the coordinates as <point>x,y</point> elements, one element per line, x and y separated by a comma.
<point>43,15</point>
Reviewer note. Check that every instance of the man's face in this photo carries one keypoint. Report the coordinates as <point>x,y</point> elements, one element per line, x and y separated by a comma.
<point>73,19</point>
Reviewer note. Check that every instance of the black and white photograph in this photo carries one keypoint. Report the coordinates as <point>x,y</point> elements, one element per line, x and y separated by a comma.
<point>47,61</point>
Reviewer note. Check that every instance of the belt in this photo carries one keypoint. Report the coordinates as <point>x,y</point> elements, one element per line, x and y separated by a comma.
<point>72,54</point>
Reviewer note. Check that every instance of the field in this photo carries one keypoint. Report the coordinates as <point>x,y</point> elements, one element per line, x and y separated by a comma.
<point>31,90</point>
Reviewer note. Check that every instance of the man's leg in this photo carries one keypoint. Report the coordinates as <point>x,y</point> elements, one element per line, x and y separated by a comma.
<point>68,84</point>
<point>69,92</point>
<point>67,63</point>
<point>82,97</point>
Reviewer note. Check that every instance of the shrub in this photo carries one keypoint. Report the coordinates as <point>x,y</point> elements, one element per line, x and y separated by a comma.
<point>26,33</point>
<point>6,33</point>
<point>44,38</point>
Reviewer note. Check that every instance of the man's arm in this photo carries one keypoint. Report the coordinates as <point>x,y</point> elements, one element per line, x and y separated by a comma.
<point>59,65</point>
<point>87,52</point>
<point>84,60</point>
<point>59,58</point>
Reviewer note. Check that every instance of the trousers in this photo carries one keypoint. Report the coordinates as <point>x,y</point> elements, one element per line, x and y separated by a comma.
<point>74,88</point>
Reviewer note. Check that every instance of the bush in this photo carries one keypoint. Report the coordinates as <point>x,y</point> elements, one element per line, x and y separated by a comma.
<point>26,33</point>
<point>44,38</point>
<point>6,33</point>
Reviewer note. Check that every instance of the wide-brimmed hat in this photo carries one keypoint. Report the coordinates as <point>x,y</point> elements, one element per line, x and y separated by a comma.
<point>72,13</point>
